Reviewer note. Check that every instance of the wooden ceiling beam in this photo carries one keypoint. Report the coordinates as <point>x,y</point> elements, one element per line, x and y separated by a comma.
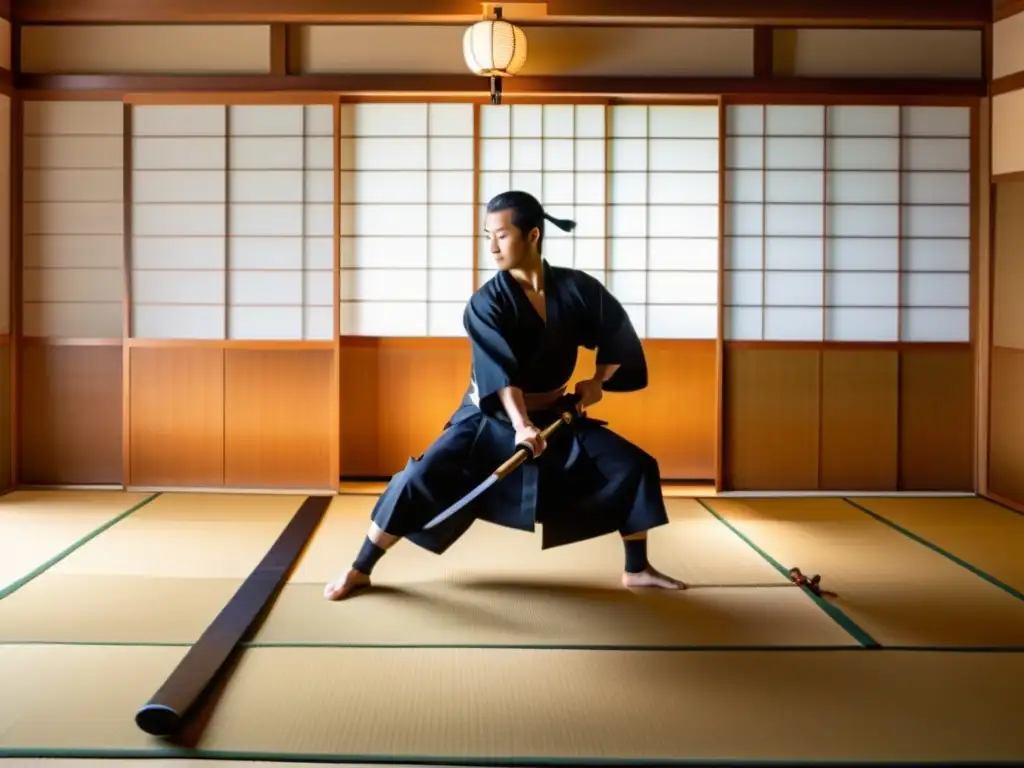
<point>779,13</point>
<point>470,86</point>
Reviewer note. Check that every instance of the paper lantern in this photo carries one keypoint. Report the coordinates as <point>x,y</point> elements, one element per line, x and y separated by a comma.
<point>494,48</point>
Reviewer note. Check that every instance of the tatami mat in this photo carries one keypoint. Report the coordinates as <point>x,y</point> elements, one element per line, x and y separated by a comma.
<point>38,526</point>
<point>188,536</point>
<point>160,575</point>
<point>497,587</point>
<point>977,531</point>
<point>898,591</point>
<point>31,762</point>
<point>493,704</point>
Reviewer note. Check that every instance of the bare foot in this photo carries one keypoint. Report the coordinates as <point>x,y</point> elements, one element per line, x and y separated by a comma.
<point>341,588</point>
<point>650,578</point>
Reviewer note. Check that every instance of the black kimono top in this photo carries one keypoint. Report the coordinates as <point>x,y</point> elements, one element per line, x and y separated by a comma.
<point>513,346</point>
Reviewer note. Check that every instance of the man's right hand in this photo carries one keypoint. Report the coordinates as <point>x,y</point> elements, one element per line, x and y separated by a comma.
<point>529,434</point>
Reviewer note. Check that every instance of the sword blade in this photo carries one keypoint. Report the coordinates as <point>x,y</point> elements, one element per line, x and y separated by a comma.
<point>511,464</point>
<point>461,503</point>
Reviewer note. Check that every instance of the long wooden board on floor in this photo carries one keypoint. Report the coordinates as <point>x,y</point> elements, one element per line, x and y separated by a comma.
<point>167,709</point>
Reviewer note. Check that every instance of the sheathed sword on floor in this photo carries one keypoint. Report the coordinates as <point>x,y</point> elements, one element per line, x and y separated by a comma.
<point>522,454</point>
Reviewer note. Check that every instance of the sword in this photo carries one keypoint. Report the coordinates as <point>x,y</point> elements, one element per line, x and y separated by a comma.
<point>523,452</point>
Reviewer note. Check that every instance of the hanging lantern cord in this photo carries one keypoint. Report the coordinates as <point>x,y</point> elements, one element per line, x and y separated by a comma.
<point>496,81</point>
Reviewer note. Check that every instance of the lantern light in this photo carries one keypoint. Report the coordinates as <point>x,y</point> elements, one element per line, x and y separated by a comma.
<point>494,48</point>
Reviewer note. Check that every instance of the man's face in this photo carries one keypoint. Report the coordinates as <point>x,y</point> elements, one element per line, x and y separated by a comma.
<point>508,245</point>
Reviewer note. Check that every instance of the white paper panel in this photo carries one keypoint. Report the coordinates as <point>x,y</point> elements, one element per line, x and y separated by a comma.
<point>241,218</point>
<point>786,221</point>
<point>862,289</point>
<point>744,288</point>
<point>936,325</point>
<point>381,318</point>
<point>793,253</point>
<point>861,324</point>
<point>793,324</point>
<point>864,121</point>
<point>72,220</point>
<point>407,219</point>
<point>744,323</point>
<point>663,219</point>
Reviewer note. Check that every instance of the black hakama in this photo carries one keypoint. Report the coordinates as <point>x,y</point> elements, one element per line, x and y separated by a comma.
<point>589,482</point>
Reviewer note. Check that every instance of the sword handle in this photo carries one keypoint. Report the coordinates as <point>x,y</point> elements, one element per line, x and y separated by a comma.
<point>523,450</point>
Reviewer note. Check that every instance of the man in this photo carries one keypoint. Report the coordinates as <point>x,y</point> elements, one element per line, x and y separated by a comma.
<point>525,327</point>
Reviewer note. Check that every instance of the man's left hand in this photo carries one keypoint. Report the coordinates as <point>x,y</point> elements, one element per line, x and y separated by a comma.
<point>589,392</point>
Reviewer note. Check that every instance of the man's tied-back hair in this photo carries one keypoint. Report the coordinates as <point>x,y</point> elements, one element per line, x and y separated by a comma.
<point>527,213</point>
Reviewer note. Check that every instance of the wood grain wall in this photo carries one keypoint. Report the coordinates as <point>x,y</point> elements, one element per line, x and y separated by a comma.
<point>216,416</point>
<point>70,414</point>
<point>1005,459</point>
<point>1006,398</point>
<point>96,409</point>
<point>407,388</point>
<point>803,417</point>
<point>832,418</point>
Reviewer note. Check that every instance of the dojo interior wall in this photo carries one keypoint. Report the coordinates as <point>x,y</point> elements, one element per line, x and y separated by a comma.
<point>1006,393</point>
<point>129,403</point>
<point>8,236</point>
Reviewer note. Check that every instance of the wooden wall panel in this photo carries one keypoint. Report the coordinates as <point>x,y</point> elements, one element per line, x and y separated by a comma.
<point>937,419</point>
<point>1006,452</point>
<point>277,418</point>
<point>151,49</point>
<point>878,419</point>
<point>70,414</point>
<point>1008,264</point>
<point>567,51</point>
<point>6,480</point>
<point>397,394</point>
<point>177,416</point>
<point>859,419</point>
<point>771,400</point>
<point>675,419</point>
<point>1006,391</point>
<point>925,53</point>
<point>1007,148</point>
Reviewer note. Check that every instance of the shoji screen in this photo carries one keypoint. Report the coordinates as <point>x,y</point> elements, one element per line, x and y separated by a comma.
<point>232,222</point>
<point>663,224</point>
<point>179,221</point>
<point>556,153</point>
<point>281,222</point>
<point>847,223</point>
<point>936,257</point>
<point>73,219</point>
<point>407,218</point>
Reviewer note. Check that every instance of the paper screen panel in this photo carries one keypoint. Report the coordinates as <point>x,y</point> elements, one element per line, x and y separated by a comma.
<point>936,224</point>
<point>744,244</point>
<point>847,223</point>
<point>280,222</point>
<point>179,221</point>
<point>794,222</point>
<point>663,218</point>
<point>73,219</point>
<point>862,224</point>
<point>406,218</point>
<point>555,152</point>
